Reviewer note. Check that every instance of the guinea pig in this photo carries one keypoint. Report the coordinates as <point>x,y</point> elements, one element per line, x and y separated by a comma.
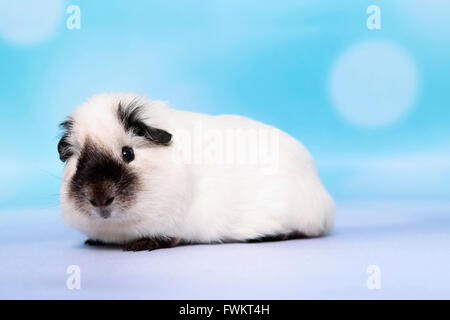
<point>143,175</point>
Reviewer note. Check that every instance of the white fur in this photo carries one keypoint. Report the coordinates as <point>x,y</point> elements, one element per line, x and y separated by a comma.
<point>198,201</point>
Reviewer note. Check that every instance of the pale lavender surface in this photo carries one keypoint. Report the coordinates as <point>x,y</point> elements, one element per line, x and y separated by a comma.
<point>410,243</point>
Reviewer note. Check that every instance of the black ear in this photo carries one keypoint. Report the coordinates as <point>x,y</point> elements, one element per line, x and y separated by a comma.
<point>133,121</point>
<point>64,149</point>
<point>155,135</point>
<point>64,146</point>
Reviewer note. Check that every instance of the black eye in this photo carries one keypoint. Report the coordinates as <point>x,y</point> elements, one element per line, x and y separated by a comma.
<point>127,154</point>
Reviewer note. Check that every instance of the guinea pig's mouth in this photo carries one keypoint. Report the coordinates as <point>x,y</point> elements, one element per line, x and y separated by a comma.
<point>108,215</point>
<point>101,203</point>
<point>106,208</point>
<point>104,213</point>
<point>110,212</point>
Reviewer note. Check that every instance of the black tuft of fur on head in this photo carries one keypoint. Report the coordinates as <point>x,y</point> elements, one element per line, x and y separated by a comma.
<point>131,118</point>
<point>64,146</point>
<point>99,174</point>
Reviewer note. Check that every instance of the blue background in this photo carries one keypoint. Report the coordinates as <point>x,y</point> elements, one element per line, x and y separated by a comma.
<point>270,61</point>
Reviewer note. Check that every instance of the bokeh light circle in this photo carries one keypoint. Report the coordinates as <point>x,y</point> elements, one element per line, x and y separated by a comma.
<point>373,83</point>
<point>27,22</point>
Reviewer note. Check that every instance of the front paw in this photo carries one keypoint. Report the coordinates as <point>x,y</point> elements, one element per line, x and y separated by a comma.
<point>141,245</point>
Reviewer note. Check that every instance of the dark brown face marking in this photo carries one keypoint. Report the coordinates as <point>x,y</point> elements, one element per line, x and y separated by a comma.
<point>102,181</point>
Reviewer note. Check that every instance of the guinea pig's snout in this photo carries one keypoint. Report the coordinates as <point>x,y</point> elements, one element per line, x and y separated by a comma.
<point>101,197</point>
